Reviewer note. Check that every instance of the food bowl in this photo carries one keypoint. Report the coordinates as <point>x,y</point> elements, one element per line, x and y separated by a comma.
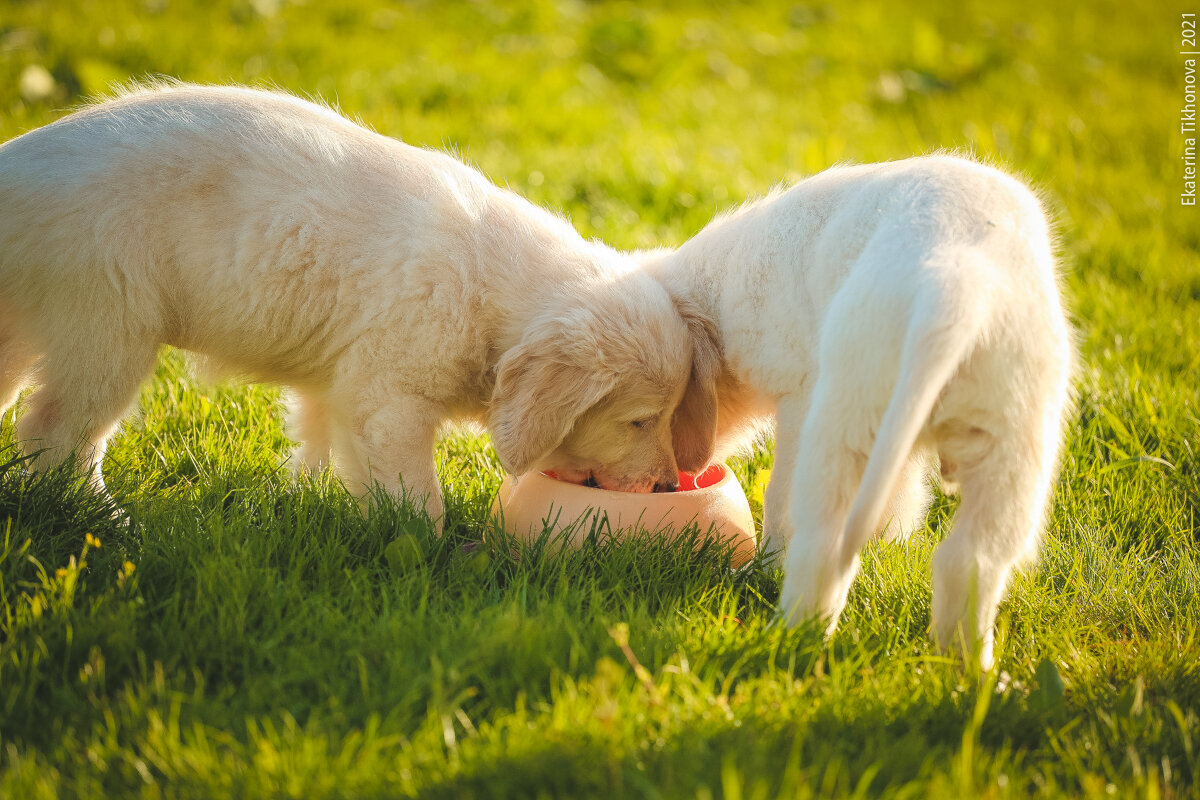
<point>531,503</point>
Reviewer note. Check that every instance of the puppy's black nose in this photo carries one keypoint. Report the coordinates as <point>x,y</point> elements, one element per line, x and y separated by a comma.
<point>671,486</point>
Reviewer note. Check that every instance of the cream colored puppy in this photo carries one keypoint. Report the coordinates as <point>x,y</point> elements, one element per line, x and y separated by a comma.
<point>898,319</point>
<point>392,288</point>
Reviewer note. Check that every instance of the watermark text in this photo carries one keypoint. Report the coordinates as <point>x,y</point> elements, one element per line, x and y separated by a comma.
<point>1187,113</point>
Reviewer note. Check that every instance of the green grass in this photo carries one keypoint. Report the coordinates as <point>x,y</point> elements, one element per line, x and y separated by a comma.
<point>245,634</point>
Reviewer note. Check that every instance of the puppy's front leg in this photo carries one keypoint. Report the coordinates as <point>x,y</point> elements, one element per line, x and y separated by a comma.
<point>310,423</point>
<point>821,561</point>
<point>777,518</point>
<point>390,442</point>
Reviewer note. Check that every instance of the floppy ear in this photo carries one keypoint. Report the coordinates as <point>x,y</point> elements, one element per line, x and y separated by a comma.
<point>540,392</point>
<point>694,426</point>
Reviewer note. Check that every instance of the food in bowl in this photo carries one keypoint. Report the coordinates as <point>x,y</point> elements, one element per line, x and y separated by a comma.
<point>529,504</point>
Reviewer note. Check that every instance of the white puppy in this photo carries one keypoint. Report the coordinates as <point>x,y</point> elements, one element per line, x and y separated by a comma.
<point>390,287</point>
<point>896,318</point>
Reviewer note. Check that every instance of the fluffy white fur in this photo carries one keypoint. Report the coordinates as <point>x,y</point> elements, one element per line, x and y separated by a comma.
<point>392,288</point>
<point>898,319</point>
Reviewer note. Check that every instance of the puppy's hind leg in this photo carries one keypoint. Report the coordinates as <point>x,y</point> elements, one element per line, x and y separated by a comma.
<point>910,501</point>
<point>998,523</point>
<point>90,375</point>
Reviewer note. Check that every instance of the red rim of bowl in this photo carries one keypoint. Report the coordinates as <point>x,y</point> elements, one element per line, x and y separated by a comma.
<point>688,481</point>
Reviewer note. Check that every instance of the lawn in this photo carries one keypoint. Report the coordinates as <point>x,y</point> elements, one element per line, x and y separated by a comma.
<point>242,633</point>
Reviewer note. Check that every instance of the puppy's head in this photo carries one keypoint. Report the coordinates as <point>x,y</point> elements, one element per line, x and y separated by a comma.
<point>694,423</point>
<point>592,390</point>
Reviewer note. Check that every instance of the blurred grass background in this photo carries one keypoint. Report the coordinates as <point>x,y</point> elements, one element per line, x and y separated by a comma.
<point>249,636</point>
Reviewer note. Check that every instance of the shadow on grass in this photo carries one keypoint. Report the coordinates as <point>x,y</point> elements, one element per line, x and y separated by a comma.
<point>883,746</point>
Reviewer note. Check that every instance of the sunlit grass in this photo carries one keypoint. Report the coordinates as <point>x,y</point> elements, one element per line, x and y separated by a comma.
<point>235,631</point>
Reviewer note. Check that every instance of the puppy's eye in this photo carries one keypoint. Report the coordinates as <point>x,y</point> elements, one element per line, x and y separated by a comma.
<point>642,423</point>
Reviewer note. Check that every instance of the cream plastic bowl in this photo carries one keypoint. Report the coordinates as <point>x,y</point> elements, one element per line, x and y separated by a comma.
<point>530,503</point>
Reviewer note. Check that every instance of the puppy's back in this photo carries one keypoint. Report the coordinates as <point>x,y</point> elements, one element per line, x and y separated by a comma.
<point>169,202</point>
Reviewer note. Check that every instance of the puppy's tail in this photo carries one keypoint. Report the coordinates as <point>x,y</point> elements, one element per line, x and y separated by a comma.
<point>945,325</point>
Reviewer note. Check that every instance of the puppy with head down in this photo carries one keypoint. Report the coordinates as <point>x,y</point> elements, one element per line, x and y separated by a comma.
<point>902,321</point>
<point>390,288</point>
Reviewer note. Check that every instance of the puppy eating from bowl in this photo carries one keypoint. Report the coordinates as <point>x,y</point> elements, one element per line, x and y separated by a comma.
<point>390,288</point>
<point>900,321</point>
